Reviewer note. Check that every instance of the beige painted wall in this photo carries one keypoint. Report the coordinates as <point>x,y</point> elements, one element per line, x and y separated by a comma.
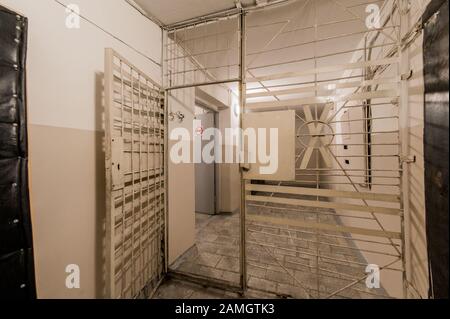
<point>418,258</point>
<point>181,181</point>
<point>68,208</point>
<point>65,74</point>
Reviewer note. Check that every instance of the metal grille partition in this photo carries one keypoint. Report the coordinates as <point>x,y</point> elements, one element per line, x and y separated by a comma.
<point>203,58</point>
<point>332,74</point>
<point>321,233</point>
<point>202,53</point>
<point>135,174</point>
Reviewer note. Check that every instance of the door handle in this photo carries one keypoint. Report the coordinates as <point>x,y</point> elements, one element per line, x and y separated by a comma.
<point>245,167</point>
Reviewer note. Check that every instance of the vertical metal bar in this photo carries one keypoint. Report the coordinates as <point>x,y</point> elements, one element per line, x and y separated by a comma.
<point>157,182</point>
<point>171,63</point>
<point>160,208</point>
<point>149,229</point>
<point>140,255</point>
<point>155,217</point>
<point>166,159</point>
<point>177,56</point>
<point>317,152</point>
<point>365,108</point>
<point>122,102</point>
<point>133,217</point>
<point>404,67</point>
<point>158,92</point>
<point>109,102</point>
<point>242,96</point>
<point>184,61</point>
<point>166,178</point>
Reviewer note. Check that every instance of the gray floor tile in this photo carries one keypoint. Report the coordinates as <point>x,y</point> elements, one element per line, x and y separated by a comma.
<point>275,251</point>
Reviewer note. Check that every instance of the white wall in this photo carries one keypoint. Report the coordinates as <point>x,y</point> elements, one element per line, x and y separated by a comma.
<point>65,61</point>
<point>65,74</point>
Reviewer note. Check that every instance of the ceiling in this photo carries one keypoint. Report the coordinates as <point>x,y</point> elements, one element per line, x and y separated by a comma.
<point>173,11</point>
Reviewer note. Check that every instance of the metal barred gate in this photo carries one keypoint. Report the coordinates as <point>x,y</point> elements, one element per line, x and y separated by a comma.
<point>332,217</point>
<point>135,174</point>
<point>331,77</point>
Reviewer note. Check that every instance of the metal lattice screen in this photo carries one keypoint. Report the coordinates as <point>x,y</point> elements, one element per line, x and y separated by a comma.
<point>202,53</point>
<point>314,236</point>
<point>202,66</point>
<point>135,172</point>
<point>340,73</point>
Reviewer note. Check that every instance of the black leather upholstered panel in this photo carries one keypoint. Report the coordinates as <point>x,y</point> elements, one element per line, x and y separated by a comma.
<point>16,245</point>
<point>15,268</point>
<point>436,143</point>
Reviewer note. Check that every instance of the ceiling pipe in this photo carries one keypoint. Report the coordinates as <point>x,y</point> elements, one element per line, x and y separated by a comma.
<point>203,19</point>
<point>264,4</point>
<point>259,5</point>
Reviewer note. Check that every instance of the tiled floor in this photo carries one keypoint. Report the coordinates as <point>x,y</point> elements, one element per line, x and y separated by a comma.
<point>178,289</point>
<point>216,253</point>
<point>282,261</point>
<point>285,260</point>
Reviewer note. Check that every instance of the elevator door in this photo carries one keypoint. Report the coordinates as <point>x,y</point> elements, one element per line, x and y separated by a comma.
<point>135,179</point>
<point>205,174</point>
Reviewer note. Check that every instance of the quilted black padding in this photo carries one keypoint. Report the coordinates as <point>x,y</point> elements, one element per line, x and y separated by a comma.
<point>16,245</point>
<point>15,268</point>
<point>9,109</point>
<point>436,143</point>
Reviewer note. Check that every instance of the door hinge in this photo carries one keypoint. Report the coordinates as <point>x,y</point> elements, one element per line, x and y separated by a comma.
<point>407,76</point>
<point>410,159</point>
<point>395,102</point>
<point>245,167</point>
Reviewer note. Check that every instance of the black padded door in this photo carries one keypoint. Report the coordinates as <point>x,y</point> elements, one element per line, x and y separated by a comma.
<point>436,143</point>
<point>16,248</point>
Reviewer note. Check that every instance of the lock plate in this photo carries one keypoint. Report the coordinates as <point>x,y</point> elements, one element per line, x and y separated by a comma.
<point>117,163</point>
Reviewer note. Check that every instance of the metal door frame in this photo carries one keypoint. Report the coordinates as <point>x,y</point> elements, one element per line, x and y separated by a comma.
<point>170,87</point>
